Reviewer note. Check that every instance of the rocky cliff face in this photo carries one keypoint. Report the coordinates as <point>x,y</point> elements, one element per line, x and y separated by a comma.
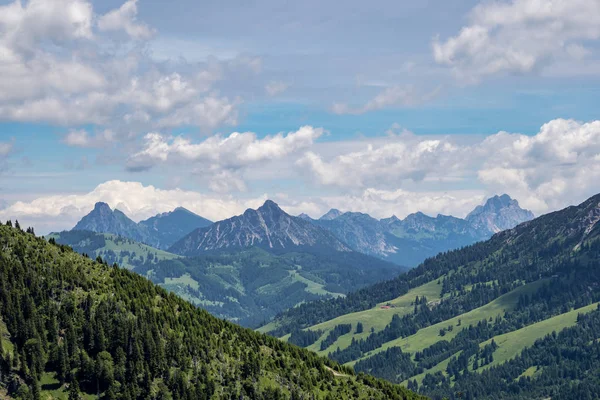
<point>497,214</point>
<point>103,219</point>
<point>267,227</point>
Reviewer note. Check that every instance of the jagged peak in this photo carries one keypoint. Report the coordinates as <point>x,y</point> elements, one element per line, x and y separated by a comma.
<point>100,205</point>
<point>331,214</point>
<point>269,204</point>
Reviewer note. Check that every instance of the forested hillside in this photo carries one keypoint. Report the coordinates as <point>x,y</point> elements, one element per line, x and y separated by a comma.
<point>113,248</point>
<point>498,319</point>
<point>72,327</point>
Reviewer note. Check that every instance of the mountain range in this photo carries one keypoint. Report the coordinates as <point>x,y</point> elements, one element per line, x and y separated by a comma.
<point>252,266</point>
<point>160,231</point>
<point>267,227</point>
<point>513,317</point>
<point>418,236</point>
<point>245,269</point>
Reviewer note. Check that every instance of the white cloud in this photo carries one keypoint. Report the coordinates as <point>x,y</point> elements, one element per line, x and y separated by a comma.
<point>23,28</point>
<point>549,170</point>
<point>220,156</point>
<point>400,158</point>
<point>274,88</point>
<point>125,19</point>
<point>58,212</point>
<point>519,36</point>
<point>81,138</point>
<point>400,96</point>
<point>59,65</point>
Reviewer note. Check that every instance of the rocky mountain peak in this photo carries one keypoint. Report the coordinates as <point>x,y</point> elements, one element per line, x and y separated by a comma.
<point>331,214</point>
<point>498,213</point>
<point>102,207</point>
<point>268,227</point>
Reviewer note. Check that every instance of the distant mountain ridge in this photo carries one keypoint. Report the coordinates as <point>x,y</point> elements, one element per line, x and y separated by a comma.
<point>405,242</point>
<point>419,236</point>
<point>160,231</point>
<point>268,227</point>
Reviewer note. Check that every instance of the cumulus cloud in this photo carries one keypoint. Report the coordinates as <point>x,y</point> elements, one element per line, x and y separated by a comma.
<point>546,171</point>
<point>400,96</point>
<point>58,212</point>
<point>125,19</point>
<point>220,156</point>
<point>59,65</point>
<point>402,157</point>
<point>25,27</point>
<point>519,36</point>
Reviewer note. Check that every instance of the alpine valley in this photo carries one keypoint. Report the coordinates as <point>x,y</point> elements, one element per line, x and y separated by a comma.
<point>513,317</point>
<point>251,267</point>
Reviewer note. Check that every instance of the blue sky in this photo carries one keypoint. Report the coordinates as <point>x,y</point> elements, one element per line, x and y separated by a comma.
<point>386,107</point>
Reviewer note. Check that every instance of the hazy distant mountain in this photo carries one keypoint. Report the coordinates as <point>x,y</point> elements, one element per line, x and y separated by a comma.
<point>497,214</point>
<point>160,231</point>
<point>267,227</point>
<point>167,228</point>
<point>360,231</point>
<point>331,214</point>
<point>419,236</point>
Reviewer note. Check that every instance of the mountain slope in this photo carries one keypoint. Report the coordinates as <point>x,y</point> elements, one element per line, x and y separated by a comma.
<point>112,248</point>
<point>167,228</point>
<point>70,324</point>
<point>104,220</point>
<point>497,214</point>
<point>160,231</point>
<point>432,328</point>
<point>360,231</point>
<point>268,227</point>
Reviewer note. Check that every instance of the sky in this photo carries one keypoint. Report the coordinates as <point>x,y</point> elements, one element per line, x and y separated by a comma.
<point>383,107</point>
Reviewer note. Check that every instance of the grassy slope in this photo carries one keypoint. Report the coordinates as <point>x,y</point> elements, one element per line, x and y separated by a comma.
<point>375,318</point>
<point>512,343</point>
<point>430,335</point>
